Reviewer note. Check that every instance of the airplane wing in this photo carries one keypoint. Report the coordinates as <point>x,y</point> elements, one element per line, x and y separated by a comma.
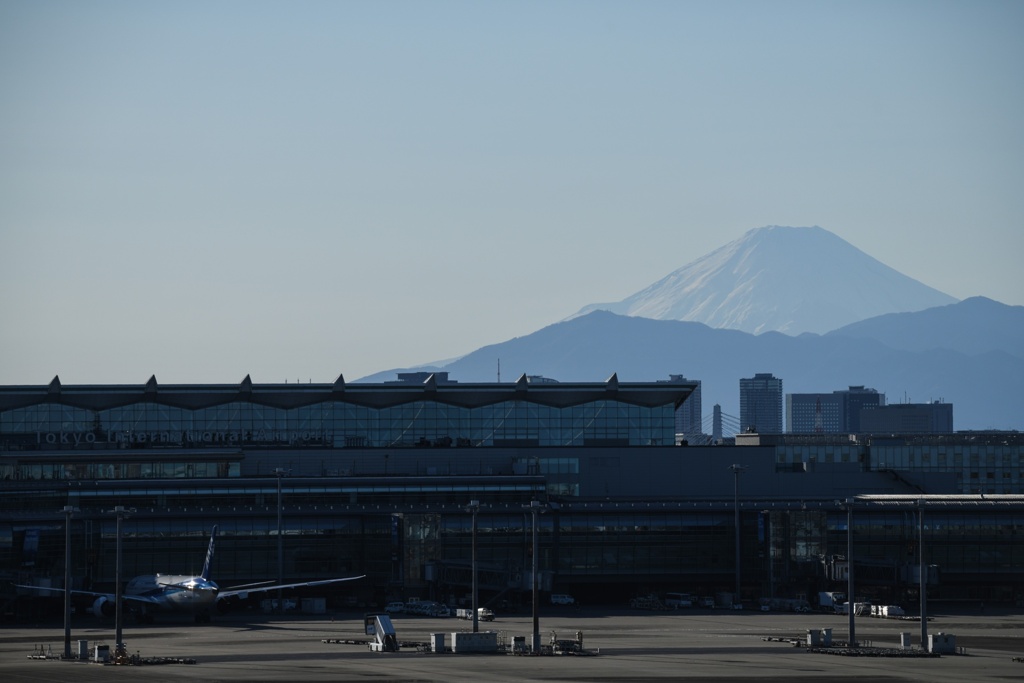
<point>245,586</point>
<point>242,591</point>
<point>109,596</point>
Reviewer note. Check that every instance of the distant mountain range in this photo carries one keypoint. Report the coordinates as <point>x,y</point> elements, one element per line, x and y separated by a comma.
<point>780,279</point>
<point>969,353</point>
<point>972,327</point>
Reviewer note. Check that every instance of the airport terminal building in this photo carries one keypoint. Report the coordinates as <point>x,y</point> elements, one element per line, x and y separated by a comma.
<point>377,479</point>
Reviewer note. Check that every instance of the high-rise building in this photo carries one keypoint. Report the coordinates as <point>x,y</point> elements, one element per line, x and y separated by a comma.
<point>761,404</point>
<point>835,413</point>
<point>908,418</point>
<point>688,416</point>
<point>815,413</point>
<point>858,398</point>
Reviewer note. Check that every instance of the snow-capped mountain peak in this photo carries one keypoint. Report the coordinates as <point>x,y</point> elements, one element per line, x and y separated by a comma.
<point>783,279</point>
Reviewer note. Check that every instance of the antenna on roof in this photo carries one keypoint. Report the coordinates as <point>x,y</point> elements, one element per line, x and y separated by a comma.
<point>499,371</point>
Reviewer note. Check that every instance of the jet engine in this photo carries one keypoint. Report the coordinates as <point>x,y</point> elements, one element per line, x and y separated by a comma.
<point>103,607</point>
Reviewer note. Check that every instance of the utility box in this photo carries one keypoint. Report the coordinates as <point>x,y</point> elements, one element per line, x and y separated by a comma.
<point>102,654</point>
<point>941,643</point>
<point>813,637</point>
<point>905,641</point>
<point>826,637</point>
<point>437,643</point>
<point>83,650</point>
<point>482,641</point>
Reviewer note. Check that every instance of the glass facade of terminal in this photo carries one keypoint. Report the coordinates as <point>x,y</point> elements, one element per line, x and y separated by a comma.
<point>795,452</point>
<point>336,424</point>
<point>982,466</point>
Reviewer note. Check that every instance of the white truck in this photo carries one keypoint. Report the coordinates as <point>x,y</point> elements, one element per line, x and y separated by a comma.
<point>483,614</point>
<point>677,600</point>
<point>831,601</point>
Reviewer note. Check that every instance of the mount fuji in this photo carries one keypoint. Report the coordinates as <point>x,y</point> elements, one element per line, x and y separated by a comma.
<point>780,279</point>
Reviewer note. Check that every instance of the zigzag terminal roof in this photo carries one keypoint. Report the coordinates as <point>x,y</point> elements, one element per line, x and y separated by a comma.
<point>285,396</point>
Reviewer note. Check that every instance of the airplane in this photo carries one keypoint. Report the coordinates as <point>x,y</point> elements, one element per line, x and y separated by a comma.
<point>196,595</point>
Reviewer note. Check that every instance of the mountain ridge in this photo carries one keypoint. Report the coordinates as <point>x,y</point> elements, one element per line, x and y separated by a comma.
<point>971,326</point>
<point>984,387</point>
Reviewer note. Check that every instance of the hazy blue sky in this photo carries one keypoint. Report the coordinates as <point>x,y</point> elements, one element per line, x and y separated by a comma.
<point>295,190</point>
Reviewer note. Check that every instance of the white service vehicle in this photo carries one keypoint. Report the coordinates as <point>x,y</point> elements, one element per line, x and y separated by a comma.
<point>483,614</point>
<point>677,600</point>
<point>831,601</point>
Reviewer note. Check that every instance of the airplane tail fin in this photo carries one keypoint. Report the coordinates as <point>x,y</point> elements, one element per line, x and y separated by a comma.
<point>209,555</point>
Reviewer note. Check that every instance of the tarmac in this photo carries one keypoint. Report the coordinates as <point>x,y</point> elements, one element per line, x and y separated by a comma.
<point>618,645</point>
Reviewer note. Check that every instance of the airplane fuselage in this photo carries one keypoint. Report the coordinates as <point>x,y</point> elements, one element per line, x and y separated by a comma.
<point>176,593</point>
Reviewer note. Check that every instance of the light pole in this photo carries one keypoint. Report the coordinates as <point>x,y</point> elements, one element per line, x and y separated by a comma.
<point>68,511</point>
<point>767,520</point>
<point>921,569</point>
<point>849,569</point>
<point>121,513</point>
<point>279,472</point>
<point>473,508</point>
<point>535,507</point>
<point>736,469</point>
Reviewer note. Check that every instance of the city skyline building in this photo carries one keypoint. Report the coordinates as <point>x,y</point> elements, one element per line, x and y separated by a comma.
<point>761,403</point>
<point>836,413</point>
<point>689,418</point>
<point>908,418</point>
<point>815,413</point>
<point>857,399</point>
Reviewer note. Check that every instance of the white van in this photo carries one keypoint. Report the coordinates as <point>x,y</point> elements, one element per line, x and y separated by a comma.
<point>677,600</point>
<point>562,599</point>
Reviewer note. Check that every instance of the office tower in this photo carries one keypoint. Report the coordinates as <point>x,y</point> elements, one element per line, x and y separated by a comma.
<point>761,404</point>
<point>835,413</point>
<point>815,413</point>
<point>857,399</point>
<point>909,418</point>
